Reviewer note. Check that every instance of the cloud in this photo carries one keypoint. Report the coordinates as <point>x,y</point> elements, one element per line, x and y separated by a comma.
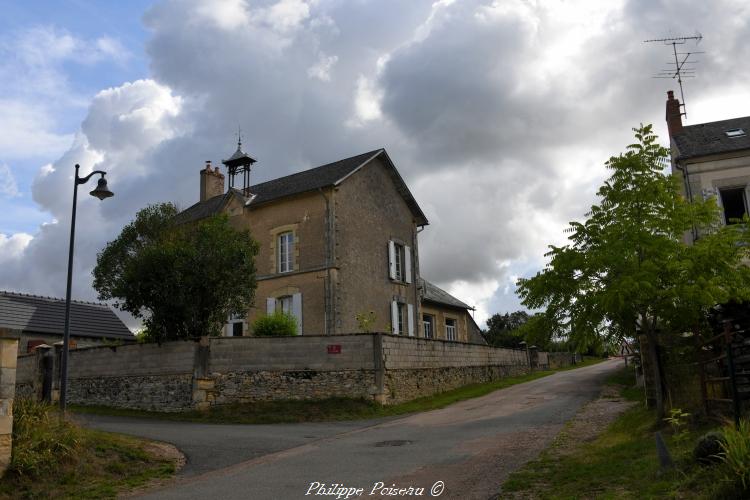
<point>8,186</point>
<point>499,115</point>
<point>12,247</point>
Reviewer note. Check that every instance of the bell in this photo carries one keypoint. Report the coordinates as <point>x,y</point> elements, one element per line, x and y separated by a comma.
<point>101,190</point>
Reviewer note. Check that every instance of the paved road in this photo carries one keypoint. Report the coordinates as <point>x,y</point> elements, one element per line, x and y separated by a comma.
<point>470,446</point>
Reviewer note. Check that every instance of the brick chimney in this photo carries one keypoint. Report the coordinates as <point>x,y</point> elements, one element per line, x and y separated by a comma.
<point>212,182</point>
<point>674,115</point>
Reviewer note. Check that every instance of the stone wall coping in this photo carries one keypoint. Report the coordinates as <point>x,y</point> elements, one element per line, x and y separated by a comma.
<point>8,333</point>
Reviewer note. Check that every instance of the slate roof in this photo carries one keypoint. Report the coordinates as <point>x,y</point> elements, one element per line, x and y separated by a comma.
<point>432,293</point>
<point>32,313</point>
<point>302,182</point>
<point>711,138</point>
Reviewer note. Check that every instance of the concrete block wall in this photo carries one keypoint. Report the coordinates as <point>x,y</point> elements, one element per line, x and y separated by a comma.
<point>26,375</point>
<point>411,352</point>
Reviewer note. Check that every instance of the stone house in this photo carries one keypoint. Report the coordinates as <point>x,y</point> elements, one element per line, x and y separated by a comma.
<point>712,159</point>
<point>336,242</point>
<point>41,320</point>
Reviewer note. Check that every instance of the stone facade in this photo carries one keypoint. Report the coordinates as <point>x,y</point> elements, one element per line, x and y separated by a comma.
<point>194,375</point>
<point>8,356</point>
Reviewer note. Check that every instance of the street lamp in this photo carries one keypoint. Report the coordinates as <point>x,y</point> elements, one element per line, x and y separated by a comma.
<point>101,191</point>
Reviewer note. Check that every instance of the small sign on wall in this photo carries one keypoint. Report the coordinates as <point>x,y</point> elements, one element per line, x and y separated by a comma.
<point>334,348</point>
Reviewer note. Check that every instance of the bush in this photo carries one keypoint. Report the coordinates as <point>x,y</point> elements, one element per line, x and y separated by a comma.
<point>278,324</point>
<point>708,448</point>
<point>42,440</point>
<point>736,453</point>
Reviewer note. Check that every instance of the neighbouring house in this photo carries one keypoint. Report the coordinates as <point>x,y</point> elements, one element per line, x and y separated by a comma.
<point>41,320</point>
<point>336,242</point>
<point>713,159</point>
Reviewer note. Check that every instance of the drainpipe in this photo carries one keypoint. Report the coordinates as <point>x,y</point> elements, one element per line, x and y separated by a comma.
<point>417,302</point>
<point>329,313</point>
<point>689,191</point>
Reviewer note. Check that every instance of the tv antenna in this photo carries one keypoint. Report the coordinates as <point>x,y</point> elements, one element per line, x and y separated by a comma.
<point>682,66</point>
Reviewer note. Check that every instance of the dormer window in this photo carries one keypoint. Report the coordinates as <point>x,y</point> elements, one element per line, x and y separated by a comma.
<point>735,132</point>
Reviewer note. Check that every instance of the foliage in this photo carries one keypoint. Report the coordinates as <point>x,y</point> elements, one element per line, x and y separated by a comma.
<point>182,280</point>
<point>678,420</point>
<point>365,321</point>
<point>277,324</point>
<point>503,329</point>
<point>736,453</point>
<point>54,458</point>
<point>41,440</point>
<point>626,269</point>
<point>708,447</point>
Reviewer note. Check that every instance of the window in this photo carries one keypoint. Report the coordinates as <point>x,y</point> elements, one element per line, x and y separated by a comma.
<point>235,325</point>
<point>399,262</point>
<point>734,203</point>
<point>290,304</point>
<point>402,318</point>
<point>286,252</point>
<point>450,329</point>
<point>735,132</point>
<point>428,325</point>
<point>284,304</point>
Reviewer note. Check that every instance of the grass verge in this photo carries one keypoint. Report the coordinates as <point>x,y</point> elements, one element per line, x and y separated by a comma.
<point>333,409</point>
<point>622,463</point>
<point>54,458</point>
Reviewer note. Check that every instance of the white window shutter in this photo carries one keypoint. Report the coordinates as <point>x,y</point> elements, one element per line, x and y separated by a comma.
<point>407,263</point>
<point>392,260</point>
<point>394,317</point>
<point>270,305</point>
<point>410,317</point>
<point>297,311</point>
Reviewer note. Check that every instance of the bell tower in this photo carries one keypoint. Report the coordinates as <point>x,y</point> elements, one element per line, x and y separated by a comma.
<point>239,165</point>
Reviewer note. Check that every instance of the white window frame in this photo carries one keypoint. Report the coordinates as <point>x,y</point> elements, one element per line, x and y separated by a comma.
<point>428,326</point>
<point>399,262</point>
<point>451,330</point>
<point>232,320</point>
<point>285,252</point>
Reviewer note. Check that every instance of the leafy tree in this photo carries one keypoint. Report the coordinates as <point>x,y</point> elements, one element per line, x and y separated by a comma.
<point>182,280</point>
<point>503,329</point>
<point>627,271</point>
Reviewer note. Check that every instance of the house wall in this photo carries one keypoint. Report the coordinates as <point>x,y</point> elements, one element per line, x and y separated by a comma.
<point>305,216</point>
<point>440,314</point>
<point>369,213</point>
<point>177,376</point>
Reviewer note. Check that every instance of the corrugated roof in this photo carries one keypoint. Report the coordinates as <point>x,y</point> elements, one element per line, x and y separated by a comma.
<point>711,138</point>
<point>32,313</point>
<point>301,182</point>
<point>432,293</point>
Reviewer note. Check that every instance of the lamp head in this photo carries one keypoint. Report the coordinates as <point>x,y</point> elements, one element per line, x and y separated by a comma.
<point>102,191</point>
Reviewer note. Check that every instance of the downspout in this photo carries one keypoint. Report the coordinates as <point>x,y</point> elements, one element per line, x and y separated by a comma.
<point>689,191</point>
<point>417,302</point>
<point>329,313</point>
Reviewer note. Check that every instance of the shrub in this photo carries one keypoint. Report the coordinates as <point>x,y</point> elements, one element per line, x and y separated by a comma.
<point>278,324</point>
<point>42,440</point>
<point>708,448</point>
<point>365,321</point>
<point>736,453</point>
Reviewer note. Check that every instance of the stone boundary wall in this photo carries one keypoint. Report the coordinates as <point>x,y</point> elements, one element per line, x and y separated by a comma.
<point>8,364</point>
<point>26,374</point>
<point>177,376</point>
<point>419,367</point>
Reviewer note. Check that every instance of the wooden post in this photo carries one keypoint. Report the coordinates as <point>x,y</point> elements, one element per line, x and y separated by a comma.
<point>701,368</point>
<point>732,378</point>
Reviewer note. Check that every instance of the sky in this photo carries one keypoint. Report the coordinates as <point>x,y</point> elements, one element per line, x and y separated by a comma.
<point>500,115</point>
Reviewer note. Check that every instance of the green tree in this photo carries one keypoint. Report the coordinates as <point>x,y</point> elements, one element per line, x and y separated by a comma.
<point>503,329</point>
<point>627,271</point>
<point>182,280</point>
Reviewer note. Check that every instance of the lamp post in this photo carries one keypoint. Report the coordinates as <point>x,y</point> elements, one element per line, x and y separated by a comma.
<point>101,191</point>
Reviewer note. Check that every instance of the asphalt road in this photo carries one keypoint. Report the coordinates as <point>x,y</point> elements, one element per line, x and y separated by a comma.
<point>465,450</point>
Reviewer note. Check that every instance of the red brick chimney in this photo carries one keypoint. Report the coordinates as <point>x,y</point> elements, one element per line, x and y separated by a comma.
<point>212,182</point>
<point>674,115</point>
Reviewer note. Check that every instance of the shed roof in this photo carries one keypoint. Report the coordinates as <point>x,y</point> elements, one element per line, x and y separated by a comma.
<point>313,179</point>
<point>710,138</point>
<point>33,313</point>
<point>433,293</point>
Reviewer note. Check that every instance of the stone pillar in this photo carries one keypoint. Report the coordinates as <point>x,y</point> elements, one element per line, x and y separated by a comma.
<point>8,355</point>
